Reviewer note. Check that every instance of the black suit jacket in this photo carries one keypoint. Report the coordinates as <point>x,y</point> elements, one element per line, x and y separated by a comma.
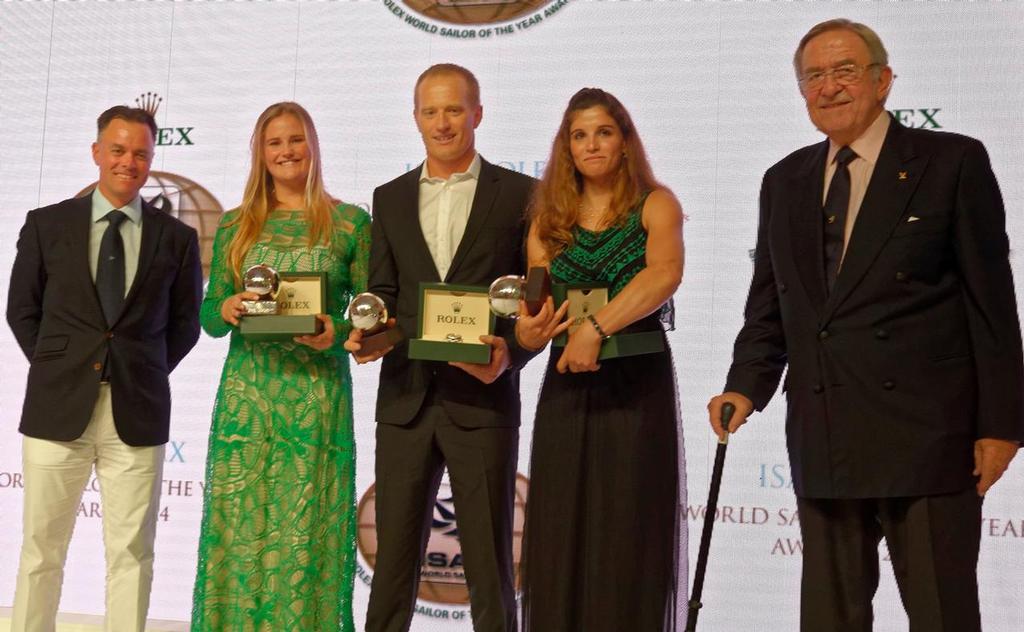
<point>917,351</point>
<point>55,314</point>
<point>492,245</point>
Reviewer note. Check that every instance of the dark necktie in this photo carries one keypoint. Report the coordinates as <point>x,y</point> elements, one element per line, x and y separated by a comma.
<point>110,267</point>
<point>836,204</point>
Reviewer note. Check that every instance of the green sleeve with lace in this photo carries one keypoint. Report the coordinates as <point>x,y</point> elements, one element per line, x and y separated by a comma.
<point>354,232</point>
<point>222,281</point>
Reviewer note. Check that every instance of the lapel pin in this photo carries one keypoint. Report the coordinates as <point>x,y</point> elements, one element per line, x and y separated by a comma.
<point>902,175</point>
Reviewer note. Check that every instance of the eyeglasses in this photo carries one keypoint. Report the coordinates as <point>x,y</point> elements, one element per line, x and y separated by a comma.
<point>845,75</point>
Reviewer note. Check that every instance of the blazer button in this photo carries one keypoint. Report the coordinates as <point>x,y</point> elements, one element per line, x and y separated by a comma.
<point>97,366</point>
<point>110,335</point>
<point>888,385</point>
<point>818,388</point>
<point>782,288</point>
<point>882,334</point>
<point>901,276</point>
<point>822,334</point>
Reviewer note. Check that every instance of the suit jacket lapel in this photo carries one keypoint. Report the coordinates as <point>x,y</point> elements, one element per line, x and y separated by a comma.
<point>893,181</point>
<point>483,200</point>
<point>805,220</point>
<point>409,215</point>
<point>78,243</point>
<point>152,227</point>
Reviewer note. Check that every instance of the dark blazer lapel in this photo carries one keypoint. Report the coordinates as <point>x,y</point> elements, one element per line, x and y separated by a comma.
<point>152,228</point>
<point>408,212</point>
<point>805,221</point>
<point>78,243</point>
<point>893,181</point>
<point>486,193</point>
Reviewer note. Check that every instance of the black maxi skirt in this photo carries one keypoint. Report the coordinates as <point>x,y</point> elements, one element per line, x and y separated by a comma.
<point>605,536</point>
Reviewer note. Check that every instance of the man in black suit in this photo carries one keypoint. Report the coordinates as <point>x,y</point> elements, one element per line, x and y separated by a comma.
<point>104,301</point>
<point>882,279</point>
<point>458,219</point>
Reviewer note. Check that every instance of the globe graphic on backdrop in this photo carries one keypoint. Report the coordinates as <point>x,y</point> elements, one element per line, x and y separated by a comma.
<point>187,200</point>
<point>474,11</point>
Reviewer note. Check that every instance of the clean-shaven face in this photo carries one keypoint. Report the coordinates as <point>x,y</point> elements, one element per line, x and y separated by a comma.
<point>446,118</point>
<point>843,112</point>
<point>124,153</point>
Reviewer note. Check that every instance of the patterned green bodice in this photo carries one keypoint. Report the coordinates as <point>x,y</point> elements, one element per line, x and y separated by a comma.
<point>284,246</point>
<point>612,256</point>
<point>277,544</point>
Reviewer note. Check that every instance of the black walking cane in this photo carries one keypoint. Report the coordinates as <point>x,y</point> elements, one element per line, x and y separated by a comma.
<point>709,520</point>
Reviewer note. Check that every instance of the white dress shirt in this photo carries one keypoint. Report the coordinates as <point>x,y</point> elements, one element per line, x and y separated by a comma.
<point>444,211</point>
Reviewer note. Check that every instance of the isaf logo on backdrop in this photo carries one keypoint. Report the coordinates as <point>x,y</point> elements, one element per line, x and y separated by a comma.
<point>442,574</point>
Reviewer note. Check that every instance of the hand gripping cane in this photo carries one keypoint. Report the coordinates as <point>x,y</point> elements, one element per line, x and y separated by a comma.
<point>709,520</point>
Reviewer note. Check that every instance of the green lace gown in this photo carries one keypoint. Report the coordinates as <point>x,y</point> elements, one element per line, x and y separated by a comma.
<point>277,545</point>
<point>605,543</point>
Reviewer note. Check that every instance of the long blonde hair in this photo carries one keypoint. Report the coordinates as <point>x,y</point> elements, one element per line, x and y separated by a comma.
<point>554,209</point>
<point>258,199</point>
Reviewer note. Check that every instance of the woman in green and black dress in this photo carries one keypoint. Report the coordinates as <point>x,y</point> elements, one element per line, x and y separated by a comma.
<point>605,539</point>
<point>277,546</point>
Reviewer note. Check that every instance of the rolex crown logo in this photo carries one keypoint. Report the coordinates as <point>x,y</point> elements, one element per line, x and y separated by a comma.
<point>150,102</point>
<point>457,307</point>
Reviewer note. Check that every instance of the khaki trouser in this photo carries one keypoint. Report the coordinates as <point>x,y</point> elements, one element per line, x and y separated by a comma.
<point>56,473</point>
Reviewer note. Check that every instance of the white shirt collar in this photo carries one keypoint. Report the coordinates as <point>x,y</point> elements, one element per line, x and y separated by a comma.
<point>473,172</point>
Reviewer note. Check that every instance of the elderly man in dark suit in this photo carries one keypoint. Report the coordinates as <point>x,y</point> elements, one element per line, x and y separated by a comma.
<point>104,301</point>
<point>882,280</point>
<point>459,219</point>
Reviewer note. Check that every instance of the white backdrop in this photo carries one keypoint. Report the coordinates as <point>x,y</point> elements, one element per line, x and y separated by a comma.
<point>711,88</point>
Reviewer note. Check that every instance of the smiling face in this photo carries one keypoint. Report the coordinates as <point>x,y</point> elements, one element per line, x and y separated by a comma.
<point>285,152</point>
<point>446,118</point>
<point>843,112</point>
<point>596,143</point>
<point>124,153</point>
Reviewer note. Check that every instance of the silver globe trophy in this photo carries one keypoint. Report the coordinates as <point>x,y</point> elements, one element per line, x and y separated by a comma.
<point>504,295</point>
<point>506,292</point>
<point>368,313</point>
<point>263,280</point>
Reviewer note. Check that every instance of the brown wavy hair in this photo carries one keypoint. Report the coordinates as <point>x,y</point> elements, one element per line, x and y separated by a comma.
<point>258,199</point>
<point>554,209</point>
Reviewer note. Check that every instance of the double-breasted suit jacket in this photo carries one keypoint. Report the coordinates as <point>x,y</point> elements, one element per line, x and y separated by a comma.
<point>55,314</point>
<point>916,352</point>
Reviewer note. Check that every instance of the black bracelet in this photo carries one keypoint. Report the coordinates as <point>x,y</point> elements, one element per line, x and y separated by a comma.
<point>597,327</point>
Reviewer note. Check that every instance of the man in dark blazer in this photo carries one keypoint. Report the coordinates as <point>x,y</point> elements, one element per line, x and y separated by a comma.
<point>457,219</point>
<point>104,301</point>
<point>882,280</point>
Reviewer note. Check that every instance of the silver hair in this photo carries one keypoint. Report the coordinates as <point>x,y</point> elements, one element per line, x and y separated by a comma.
<point>876,49</point>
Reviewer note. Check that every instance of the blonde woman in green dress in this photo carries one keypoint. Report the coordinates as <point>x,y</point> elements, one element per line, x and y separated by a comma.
<point>277,546</point>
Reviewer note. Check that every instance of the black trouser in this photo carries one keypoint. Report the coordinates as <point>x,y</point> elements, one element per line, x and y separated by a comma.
<point>481,469</point>
<point>933,543</point>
